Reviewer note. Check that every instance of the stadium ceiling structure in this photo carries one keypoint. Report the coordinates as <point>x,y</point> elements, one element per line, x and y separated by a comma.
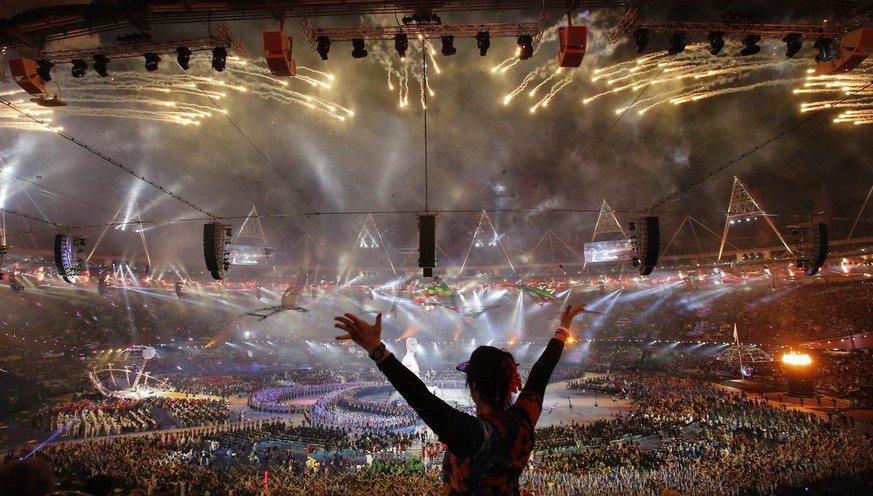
<point>34,27</point>
<point>359,143</point>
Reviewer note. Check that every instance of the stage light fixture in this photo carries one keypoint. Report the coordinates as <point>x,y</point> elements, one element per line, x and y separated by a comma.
<point>677,43</point>
<point>525,47</point>
<point>80,67</point>
<point>792,44</point>
<point>641,39</point>
<point>100,63</point>
<point>43,69</point>
<point>750,43</point>
<point>401,44</point>
<point>358,50</point>
<point>483,42</point>
<point>716,41</point>
<point>448,45</point>
<point>151,61</point>
<point>825,47</point>
<point>219,58</point>
<point>183,57</point>
<point>435,19</point>
<point>322,46</point>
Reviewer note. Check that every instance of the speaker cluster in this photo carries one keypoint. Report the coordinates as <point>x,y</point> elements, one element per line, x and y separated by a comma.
<point>67,247</point>
<point>427,243</point>
<point>216,237</point>
<point>645,238</point>
<point>810,246</point>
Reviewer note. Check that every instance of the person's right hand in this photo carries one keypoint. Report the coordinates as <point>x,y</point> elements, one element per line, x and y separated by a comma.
<point>570,312</point>
<point>369,337</point>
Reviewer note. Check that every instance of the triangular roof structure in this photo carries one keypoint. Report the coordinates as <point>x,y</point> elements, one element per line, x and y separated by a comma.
<point>552,249</point>
<point>744,206</point>
<point>485,237</point>
<point>369,238</point>
<point>607,222</point>
<point>689,228</point>
<point>251,232</point>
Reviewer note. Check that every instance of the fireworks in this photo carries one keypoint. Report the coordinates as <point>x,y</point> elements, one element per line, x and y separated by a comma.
<point>850,93</point>
<point>176,99</point>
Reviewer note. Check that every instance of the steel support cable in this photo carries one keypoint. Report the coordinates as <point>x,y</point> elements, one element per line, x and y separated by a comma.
<point>109,159</point>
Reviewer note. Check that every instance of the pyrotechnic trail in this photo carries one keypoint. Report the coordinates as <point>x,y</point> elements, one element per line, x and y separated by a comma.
<point>527,79</point>
<point>326,75</point>
<point>404,85</point>
<point>165,95</point>
<point>537,87</point>
<point>551,94</point>
<point>856,109</point>
<point>696,76</point>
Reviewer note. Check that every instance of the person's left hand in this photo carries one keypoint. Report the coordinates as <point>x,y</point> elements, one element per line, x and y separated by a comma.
<point>367,336</point>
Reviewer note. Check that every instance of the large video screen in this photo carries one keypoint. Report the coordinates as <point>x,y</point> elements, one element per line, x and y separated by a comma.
<point>607,251</point>
<point>249,255</point>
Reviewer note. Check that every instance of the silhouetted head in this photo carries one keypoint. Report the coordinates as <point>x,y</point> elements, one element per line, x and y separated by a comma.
<point>30,477</point>
<point>492,376</point>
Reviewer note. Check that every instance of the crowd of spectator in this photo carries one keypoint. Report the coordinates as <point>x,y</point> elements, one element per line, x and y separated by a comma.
<point>684,435</point>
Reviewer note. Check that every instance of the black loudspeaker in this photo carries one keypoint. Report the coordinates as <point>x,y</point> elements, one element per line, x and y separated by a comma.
<point>213,249</point>
<point>63,255</point>
<point>66,249</point>
<point>819,248</point>
<point>648,244</point>
<point>427,243</point>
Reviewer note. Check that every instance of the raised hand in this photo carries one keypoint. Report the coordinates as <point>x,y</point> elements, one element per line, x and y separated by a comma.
<point>366,335</point>
<point>570,312</point>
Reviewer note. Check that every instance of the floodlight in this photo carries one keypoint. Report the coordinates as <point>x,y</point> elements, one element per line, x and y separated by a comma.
<point>80,67</point>
<point>183,57</point>
<point>525,47</point>
<point>716,41</point>
<point>750,43</point>
<point>448,45</point>
<point>100,63</point>
<point>825,47</point>
<point>219,58</point>
<point>43,69</point>
<point>401,44</point>
<point>358,50</point>
<point>322,46</point>
<point>792,44</point>
<point>677,43</point>
<point>641,39</point>
<point>483,42</point>
<point>151,61</point>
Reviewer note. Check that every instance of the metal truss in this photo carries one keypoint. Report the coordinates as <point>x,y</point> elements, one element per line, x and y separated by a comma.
<point>428,31</point>
<point>730,29</point>
<point>34,28</point>
<point>136,49</point>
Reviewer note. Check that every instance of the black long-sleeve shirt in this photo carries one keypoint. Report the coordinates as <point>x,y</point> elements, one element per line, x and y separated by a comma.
<point>462,433</point>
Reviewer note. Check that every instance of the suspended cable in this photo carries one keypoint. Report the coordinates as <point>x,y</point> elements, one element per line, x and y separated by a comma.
<point>13,212</point>
<point>605,133</point>
<point>54,191</point>
<point>261,153</point>
<point>424,101</point>
<point>112,161</point>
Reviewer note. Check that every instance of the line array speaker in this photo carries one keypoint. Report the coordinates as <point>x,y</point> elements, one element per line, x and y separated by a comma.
<point>427,243</point>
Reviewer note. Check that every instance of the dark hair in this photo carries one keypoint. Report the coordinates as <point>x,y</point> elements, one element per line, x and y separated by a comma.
<point>30,477</point>
<point>493,370</point>
<point>100,485</point>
